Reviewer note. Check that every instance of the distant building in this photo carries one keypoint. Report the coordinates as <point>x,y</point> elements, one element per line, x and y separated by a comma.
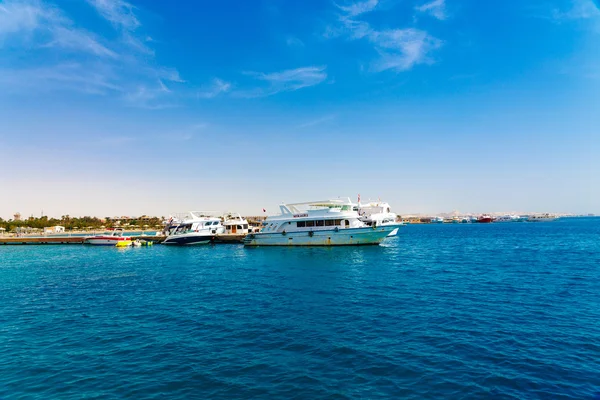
<point>54,229</point>
<point>17,216</point>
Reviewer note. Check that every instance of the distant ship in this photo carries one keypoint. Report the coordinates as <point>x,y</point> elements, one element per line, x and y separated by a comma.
<point>542,218</point>
<point>484,219</point>
<point>508,218</point>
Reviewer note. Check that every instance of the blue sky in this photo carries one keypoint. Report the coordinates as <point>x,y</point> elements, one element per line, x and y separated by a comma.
<point>113,107</point>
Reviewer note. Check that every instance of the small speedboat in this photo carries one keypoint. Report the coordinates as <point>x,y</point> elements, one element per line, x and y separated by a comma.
<point>111,238</point>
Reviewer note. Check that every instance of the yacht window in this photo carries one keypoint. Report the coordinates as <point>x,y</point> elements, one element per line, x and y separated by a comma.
<point>300,224</point>
<point>329,222</point>
<point>338,222</point>
<point>319,223</point>
<point>245,226</point>
<point>239,226</point>
<point>310,223</point>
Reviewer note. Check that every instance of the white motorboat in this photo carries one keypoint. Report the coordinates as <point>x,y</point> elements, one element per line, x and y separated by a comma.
<point>196,227</point>
<point>508,218</point>
<point>542,218</point>
<point>318,223</point>
<point>110,238</point>
<point>378,214</point>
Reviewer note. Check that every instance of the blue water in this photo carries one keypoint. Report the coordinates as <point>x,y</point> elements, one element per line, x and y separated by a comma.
<point>502,311</point>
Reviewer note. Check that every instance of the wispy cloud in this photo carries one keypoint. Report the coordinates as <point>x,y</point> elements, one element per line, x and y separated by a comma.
<point>580,9</point>
<point>398,49</point>
<point>118,12</point>
<point>90,78</point>
<point>317,121</point>
<point>79,40</point>
<point>401,49</point>
<point>45,26</point>
<point>358,8</point>
<point>155,96</point>
<point>285,81</point>
<point>294,41</point>
<point>435,8</point>
<point>31,30</point>
<point>216,87</point>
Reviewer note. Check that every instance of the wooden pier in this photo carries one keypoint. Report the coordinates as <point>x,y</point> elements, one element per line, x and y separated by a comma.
<point>41,240</point>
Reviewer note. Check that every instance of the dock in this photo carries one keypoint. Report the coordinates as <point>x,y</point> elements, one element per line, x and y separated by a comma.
<point>41,240</point>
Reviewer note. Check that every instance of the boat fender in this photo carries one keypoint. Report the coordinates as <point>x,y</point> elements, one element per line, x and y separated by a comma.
<point>336,229</point>
<point>311,233</point>
<point>283,233</point>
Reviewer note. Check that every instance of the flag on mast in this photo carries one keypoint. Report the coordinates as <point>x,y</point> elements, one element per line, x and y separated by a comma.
<point>359,197</point>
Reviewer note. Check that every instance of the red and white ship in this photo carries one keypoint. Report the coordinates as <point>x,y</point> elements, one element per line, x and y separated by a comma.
<point>484,219</point>
<point>109,239</point>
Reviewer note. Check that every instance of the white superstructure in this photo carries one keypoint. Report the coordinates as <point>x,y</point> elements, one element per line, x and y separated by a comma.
<point>508,218</point>
<point>377,214</point>
<point>318,223</point>
<point>197,227</point>
<point>235,224</point>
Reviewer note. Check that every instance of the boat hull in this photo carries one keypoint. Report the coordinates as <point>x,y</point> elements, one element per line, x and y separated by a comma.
<point>188,239</point>
<point>329,237</point>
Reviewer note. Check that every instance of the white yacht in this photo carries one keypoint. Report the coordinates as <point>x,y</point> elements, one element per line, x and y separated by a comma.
<point>542,218</point>
<point>508,218</point>
<point>378,214</point>
<point>318,223</point>
<point>196,227</point>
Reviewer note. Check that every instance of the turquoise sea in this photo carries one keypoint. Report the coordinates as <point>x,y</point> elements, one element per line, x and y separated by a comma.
<point>475,311</point>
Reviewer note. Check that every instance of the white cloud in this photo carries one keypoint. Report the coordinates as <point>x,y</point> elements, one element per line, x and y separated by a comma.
<point>401,49</point>
<point>150,96</point>
<point>359,8</point>
<point>77,39</point>
<point>294,41</point>
<point>89,78</point>
<point>317,121</point>
<point>45,26</point>
<point>34,30</point>
<point>118,12</point>
<point>398,49</point>
<point>436,8</point>
<point>580,9</point>
<point>216,88</point>
<point>18,16</point>
<point>285,81</point>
